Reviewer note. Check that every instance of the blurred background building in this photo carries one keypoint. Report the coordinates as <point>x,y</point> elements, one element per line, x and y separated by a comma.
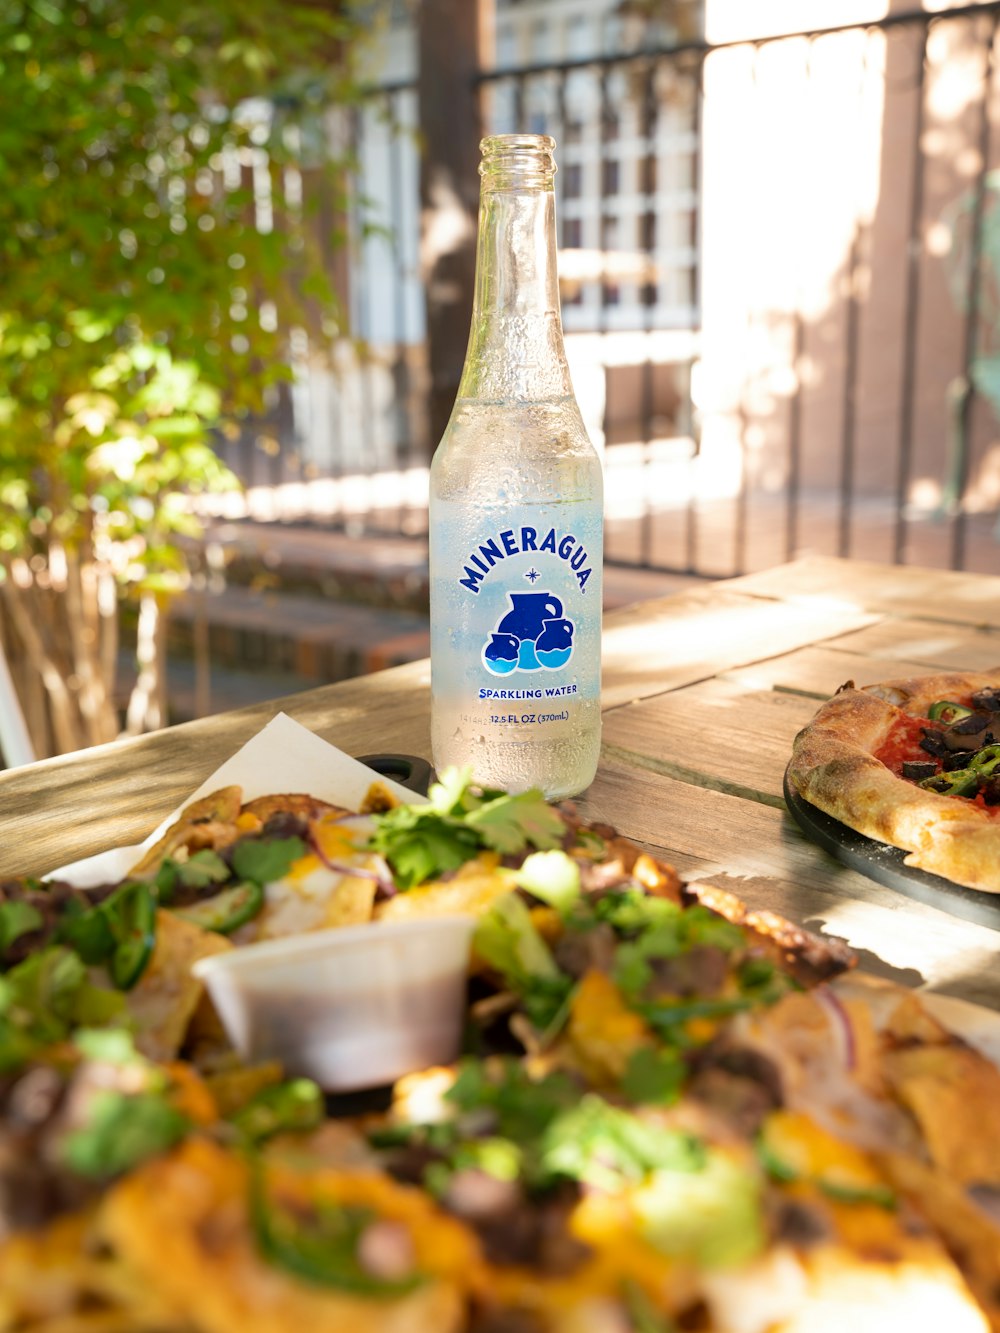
<point>777,262</point>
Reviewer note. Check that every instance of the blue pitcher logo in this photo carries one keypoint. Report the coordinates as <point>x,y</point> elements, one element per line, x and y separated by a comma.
<point>533,635</point>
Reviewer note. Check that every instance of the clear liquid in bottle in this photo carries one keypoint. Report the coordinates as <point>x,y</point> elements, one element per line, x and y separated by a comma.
<point>516,514</point>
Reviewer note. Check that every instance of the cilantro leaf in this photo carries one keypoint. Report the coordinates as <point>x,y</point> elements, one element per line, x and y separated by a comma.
<point>510,823</point>
<point>16,919</point>
<point>653,1076</point>
<point>296,1105</point>
<point>87,930</point>
<point>602,1145</point>
<point>204,868</point>
<point>121,1130</point>
<point>506,938</point>
<point>422,842</point>
<point>265,860</point>
<point>553,877</point>
<point>37,1002</point>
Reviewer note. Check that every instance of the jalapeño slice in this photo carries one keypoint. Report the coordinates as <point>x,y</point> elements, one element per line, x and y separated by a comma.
<point>225,911</point>
<point>320,1243</point>
<point>961,782</point>
<point>130,914</point>
<point>947,711</point>
<point>986,762</point>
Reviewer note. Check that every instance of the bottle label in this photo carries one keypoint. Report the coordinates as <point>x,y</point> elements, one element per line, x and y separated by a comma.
<point>516,626</point>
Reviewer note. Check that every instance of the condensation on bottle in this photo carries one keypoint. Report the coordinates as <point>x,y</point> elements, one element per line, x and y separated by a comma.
<point>516,512</point>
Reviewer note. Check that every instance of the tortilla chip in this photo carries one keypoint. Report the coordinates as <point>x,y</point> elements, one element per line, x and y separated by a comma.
<point>233,1088</point>
<point>182,1222</point>
<point>208,822</point>
<point>968,1230</point>
<point>294,803</point>
<point>910,1022</point>
<point>954,1094</point>
<point>471,891</point>
<point>164,1001</point>
<point>352,903</point>
<point>378,799</point>
<point>56,1279</point>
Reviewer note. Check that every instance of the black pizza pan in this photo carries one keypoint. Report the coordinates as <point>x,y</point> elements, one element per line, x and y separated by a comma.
<point>886,864</point>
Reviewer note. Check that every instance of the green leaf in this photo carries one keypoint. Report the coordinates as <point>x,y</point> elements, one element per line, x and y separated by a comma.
<point>654,1076</point>
<point>17,918</point>
<point>508,824</point>
<point>203,868</point>
<point>603,1145</point>
<point>120,1131</point>
<point>712,1217</point>
<point>422,842</point>
<point>506,938</point>
<point>87,931</point>
<point>266,860</point>
<point>297,1105</point>
<point>553,877</point>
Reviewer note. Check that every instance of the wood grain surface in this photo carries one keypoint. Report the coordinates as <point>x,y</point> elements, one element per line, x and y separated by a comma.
<point>703,694</point>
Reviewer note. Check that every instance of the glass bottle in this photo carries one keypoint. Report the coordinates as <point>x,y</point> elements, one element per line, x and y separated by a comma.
<point>516,512</point>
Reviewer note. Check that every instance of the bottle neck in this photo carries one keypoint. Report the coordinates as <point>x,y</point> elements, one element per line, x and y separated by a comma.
<point>516,349</point>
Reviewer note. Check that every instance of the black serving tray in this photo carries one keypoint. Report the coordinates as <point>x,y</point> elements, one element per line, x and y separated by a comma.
<point>886,864</point>
<point>409,770</point>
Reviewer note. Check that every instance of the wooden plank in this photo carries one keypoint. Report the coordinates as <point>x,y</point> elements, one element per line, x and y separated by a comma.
<point>819,672</point>
<point>664,645</point>
<point>759,854</point>
<point>932,643</point>
<point>113,795</point>
<point>718,734</point>
<point>935,594</point>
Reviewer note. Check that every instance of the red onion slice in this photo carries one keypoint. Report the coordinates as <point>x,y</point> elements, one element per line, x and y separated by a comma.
<point>379,871</point>
<point>840,1023</point>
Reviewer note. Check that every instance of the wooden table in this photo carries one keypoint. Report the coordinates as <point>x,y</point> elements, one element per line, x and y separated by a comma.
<point>703,693</point>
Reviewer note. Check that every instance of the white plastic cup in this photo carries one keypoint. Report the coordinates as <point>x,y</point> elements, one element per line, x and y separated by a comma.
<point>350,1008</point>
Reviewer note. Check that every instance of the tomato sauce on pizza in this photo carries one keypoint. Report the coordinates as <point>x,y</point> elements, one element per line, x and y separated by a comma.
<point>902,745</point>
<point>914,743</point>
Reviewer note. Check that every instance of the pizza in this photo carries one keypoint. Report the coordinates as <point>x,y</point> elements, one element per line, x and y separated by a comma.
<point>915,764</point>
<point>670,1113</point>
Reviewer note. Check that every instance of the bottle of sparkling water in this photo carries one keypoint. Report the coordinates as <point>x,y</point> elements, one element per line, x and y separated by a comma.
<point>516,512</point>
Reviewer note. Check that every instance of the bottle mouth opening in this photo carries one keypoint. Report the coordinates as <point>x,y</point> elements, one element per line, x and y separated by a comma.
<point>513,160</point>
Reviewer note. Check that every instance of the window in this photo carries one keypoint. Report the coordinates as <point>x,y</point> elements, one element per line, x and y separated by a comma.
<point>506,46</point>
<point>609,176</point>
<point>572,180</point>
<point>572,230</point>
<point>579,40</point>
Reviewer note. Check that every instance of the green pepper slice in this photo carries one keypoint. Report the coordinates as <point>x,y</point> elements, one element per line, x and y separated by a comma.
<point>780,1165</point>
<point>961,782</point>
<point>225,911</point>
<point>131,915</point>
<point>320,1247</point>
<point>986,761</point>
<point>294,1106</point>
<point>946,711</point>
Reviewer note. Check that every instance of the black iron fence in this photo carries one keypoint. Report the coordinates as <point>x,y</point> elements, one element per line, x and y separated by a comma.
<point>780,272</point>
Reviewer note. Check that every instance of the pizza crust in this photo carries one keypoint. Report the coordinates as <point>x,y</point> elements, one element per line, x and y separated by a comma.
<point>833,767</point>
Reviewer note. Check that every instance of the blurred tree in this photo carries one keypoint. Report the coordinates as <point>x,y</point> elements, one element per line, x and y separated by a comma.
<point>155,254</point>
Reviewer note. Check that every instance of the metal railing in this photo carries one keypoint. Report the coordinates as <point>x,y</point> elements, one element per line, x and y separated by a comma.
<point>780,261</point>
